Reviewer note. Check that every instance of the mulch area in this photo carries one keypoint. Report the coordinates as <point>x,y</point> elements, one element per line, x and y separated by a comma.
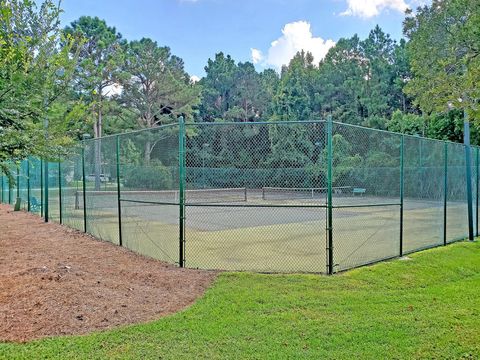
<point>59,281</point>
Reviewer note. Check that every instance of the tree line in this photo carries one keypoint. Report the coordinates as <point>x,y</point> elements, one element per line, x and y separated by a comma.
<point>60,85</point>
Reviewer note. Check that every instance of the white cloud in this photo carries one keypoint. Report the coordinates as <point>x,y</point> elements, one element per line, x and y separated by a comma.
<point>370,8</point>
<point>296,36</point>
<point>257,56</point>
<point>194,78</point>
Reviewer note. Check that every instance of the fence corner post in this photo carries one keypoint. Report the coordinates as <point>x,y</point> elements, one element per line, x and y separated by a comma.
<point>330,265</point>
<point>445,193</point>
<point>117,147</point>
<point>181,163</point>
<point>477,163</point>
<point>468,164</point>
<point>402,186</point>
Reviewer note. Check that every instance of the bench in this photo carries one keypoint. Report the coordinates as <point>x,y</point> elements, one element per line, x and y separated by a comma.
<point>358,191</point>
<point>34,204</point>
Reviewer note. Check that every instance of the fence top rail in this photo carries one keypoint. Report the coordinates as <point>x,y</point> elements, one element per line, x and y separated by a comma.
<point>257,123</point>
<point>131,132</point>
<point>402,134</point>
<point>271,123</point>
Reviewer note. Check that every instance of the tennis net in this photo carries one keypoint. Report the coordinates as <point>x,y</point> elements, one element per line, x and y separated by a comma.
<point>287,193</point>
<point>109,198</point>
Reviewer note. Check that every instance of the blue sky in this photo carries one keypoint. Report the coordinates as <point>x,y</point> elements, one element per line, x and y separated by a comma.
<point>196,29</point>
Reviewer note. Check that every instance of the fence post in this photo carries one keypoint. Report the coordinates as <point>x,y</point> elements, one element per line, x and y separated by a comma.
<point>329,195</point>
<point>18,181</point>
<point>181,159</point>
<point>445,193</point>
<point>60,190</point>
<point>46,185</point>
<point>402,169</point>
<point>28,186</point>
<point>120,239</point>
<point>468,163</point>
<point>1,191</point>
<point>41,189</point>
<point>84,190</point>
<point>476,191</point>
<point>9,191</point>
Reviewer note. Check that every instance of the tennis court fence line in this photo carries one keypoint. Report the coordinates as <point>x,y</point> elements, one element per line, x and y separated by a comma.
<point>282,196</point>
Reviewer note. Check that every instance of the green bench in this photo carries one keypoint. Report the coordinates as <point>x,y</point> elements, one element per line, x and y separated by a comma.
<point>358,191</point>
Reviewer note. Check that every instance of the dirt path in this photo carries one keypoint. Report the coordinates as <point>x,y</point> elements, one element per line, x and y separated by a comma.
<point>57,281</point>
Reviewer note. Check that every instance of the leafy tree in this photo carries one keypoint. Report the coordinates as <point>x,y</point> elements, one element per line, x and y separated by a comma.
<point>296,97</point>
<point>342,75</point>
<point>100,55</point>
<point>444,48</point>
<point>156,88</point>
<point>217,87</point>
<point>34,75</point>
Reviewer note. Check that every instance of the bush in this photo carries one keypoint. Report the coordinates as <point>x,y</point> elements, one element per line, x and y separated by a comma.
<point>156,176</point>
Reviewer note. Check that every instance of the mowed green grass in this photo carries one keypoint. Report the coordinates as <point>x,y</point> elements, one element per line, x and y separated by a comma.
<point>424,308</point>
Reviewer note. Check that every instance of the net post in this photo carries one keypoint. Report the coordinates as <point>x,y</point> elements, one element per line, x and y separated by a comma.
<point>117,150</point>
<point>84,195</point>
<point>45,196</point>
<point>41,189</point>
<point>329,195</point>
<point>60,190</point>
<point>29,208</point>
<point>445,193</point>
<point>402,186</point>
<point>181,159</point>
<point>468,164</point>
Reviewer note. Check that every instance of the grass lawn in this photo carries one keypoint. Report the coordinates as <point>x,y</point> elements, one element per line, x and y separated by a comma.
<point>428,307</point>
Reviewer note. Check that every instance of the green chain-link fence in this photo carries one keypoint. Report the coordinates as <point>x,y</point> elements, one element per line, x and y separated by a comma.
<point>310,196</point>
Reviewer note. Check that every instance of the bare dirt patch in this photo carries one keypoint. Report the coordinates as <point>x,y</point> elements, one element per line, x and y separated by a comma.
<point>58,281</point>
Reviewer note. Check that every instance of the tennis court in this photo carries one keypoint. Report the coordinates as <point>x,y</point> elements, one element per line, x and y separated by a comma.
<point>268,197</point>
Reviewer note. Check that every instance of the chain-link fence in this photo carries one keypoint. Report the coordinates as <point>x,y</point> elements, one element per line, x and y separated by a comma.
<point>310,196</point>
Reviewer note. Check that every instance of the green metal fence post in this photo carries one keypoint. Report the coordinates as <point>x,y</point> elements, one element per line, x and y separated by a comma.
<point>60,190</point>
<point>329,196</point>
<point>18,181</point>
<point>41,189</point>
<point>445,193</point>
<point>1,191</point>
<point>402,167</point>
<point>468,164</point>
<point>181,159</point>
<point>120,240</point>
<point>9,191</point>
<point>477,163</point>
<point>28,186</point>
<point>84,190</point>
<point>46,185</point>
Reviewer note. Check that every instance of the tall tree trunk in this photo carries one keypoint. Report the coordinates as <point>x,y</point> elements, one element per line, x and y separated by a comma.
<point>147,153</point>
<point>148,143</point>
